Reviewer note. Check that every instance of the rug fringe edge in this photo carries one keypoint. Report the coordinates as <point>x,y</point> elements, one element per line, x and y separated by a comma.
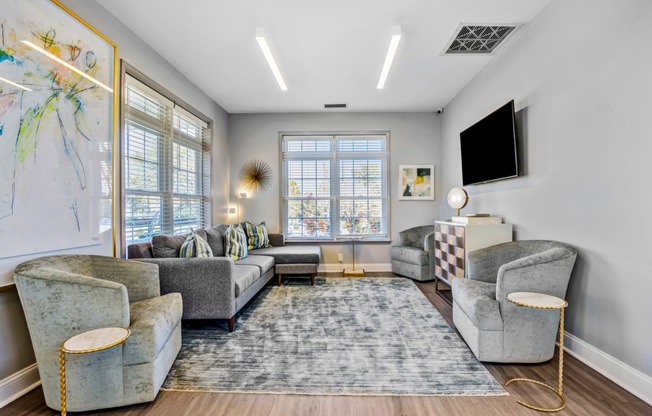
<point>294,393</point>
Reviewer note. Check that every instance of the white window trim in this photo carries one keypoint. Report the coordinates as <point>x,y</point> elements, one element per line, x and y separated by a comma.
<point>163,94</point>
<point>337,238</point>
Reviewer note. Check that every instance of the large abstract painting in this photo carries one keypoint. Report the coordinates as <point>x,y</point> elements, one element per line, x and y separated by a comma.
<point>57,80</point>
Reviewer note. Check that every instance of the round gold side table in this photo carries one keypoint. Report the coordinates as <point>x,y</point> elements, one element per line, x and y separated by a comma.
<point>84,343</point>
<point>543,301</point>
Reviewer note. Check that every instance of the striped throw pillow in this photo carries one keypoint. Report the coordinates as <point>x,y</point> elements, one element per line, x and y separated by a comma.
<point>195,246</point>
<point>257,235</point>
<point>235,242</point>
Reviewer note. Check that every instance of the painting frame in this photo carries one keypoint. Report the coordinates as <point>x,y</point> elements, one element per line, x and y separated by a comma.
<point>66,131</point>
<point>416,182</point>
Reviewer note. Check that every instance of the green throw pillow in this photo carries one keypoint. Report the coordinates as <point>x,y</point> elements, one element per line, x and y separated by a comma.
<point>235,242</point>
<point>195,246</point>
<point>257,235</point>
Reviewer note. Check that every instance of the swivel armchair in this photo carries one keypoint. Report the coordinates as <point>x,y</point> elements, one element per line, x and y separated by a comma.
<point>414,256</point>
<point>496,329</point>
<point>66,295</point>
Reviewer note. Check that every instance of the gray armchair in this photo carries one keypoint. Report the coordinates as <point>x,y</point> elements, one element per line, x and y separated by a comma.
<point>65,295</point>
<point>496,329</point>
<point>414,257</point>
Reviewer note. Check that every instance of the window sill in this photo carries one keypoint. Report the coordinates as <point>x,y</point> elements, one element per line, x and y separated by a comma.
<point>341,241</point>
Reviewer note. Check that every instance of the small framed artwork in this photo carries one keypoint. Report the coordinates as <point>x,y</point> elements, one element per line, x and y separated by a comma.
<point>416,182</point>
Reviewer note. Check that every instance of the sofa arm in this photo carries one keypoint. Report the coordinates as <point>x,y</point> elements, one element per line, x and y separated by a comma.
<point>141,280</point>
<point>546,272</point>
<point>206,284</point>
<point>276,240</point>
<point>429,243</point>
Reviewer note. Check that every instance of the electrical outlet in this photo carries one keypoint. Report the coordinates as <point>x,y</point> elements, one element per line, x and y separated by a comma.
<point>340,257</point>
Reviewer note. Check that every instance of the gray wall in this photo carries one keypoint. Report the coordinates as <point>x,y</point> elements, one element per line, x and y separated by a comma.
<point>580,77</point>
<point>414,139</point>
<point>15,345</point>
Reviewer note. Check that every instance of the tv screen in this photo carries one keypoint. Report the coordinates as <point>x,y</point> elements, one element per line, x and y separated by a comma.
<point>489,148</point>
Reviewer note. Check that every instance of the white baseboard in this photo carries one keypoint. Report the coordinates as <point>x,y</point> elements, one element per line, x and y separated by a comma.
<point>18,384</point>
<point>625,376</point>
<point>369,267</point>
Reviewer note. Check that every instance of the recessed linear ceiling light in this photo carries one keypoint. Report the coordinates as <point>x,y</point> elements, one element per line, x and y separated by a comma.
<point>393,45</point>
<point>14,84</point>
<point>260,38</point>
<point>66,64</point>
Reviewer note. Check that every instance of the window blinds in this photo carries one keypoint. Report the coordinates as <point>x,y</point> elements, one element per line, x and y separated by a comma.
<point>166,166</point>
<point>335,185</point>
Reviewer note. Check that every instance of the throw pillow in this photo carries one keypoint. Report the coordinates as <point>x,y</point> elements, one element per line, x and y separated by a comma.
<point>235,242</point>
<point>257,236</point>
<point>195,246</point>
<point>215,238</point>
<point>165,246</point>
<point>170,245</point>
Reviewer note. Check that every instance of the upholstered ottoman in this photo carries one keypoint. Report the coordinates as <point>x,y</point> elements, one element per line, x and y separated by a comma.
<point>293,260</point>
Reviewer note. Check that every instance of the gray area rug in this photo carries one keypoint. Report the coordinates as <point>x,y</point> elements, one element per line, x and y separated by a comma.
<point>369,336</point>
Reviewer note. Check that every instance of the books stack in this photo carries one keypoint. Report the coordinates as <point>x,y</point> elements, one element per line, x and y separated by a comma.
<point>478,219</point>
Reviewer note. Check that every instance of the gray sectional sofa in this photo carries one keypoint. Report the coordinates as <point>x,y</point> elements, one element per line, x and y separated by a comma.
<point>218,287</point>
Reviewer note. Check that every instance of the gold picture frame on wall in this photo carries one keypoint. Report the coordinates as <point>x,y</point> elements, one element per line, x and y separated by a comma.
<point>58,100</point>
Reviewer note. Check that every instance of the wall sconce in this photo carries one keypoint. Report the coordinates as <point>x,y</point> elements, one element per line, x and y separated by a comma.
<point>241,195</point>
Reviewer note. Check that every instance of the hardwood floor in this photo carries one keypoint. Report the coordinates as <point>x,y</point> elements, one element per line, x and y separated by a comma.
<point>587,393</point>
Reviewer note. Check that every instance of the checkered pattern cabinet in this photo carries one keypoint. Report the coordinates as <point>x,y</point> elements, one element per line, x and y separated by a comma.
<point>454,240</point>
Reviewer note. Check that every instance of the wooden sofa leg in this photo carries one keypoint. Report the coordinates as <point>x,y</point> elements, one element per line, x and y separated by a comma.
<point>312,279</point>
<point>280,279</point>
<point>232,323</point>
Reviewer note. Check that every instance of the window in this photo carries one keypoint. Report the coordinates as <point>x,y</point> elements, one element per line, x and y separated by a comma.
<point>166,166</point>
<point>335,185</point>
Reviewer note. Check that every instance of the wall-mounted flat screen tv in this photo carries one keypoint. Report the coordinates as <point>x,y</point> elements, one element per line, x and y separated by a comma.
<point>489,148</point>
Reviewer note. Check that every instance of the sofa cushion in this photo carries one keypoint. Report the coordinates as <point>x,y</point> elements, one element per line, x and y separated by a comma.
<point>256,235</point>
<point>291,254</point>
<point>152,323</point>
<point>477,300</point>
<point>235,241</point>
<point>195,246</point>
<point>170,245</point>
<point>140,251</point>
<point>410,255</point>
<point>264,263</point>
<point>245,276</point>
<point>215,239</point>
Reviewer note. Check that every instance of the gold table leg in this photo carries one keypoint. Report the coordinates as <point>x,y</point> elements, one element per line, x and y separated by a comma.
<point>559,390</point>
<point>62,379</point>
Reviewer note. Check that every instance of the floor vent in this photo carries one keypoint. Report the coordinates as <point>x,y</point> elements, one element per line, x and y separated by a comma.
<point>334,105</point>
<point>478,39</point>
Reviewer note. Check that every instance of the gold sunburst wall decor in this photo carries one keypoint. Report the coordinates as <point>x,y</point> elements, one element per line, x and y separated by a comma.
<point>255,175</point>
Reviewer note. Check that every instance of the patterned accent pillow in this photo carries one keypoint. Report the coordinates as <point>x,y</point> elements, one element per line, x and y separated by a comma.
<point>235,241</point>
<point>195,246</point>
<point>257,236</point>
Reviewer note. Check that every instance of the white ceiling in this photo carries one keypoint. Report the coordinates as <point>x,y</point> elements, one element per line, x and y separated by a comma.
<point>329,51</point>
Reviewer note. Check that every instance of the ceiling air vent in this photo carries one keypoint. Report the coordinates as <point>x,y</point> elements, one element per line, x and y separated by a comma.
<point>478,39</point>
<point>334,105</point>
